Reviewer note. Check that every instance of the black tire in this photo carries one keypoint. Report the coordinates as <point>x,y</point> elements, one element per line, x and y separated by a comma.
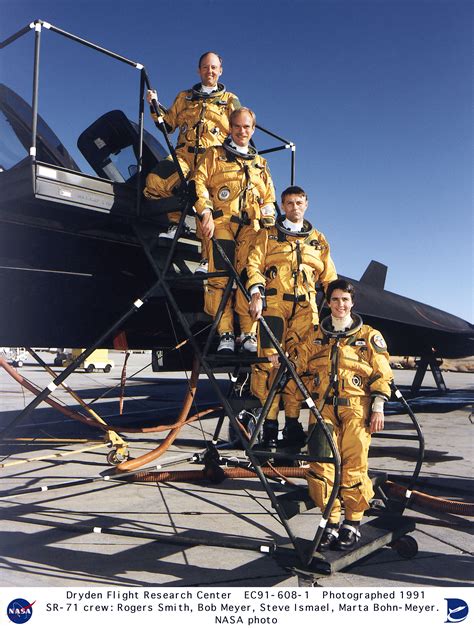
<point>90,368</point>
<point>406,547</point>
<point>248,421</point>
<point>113,457</point>
<point>107,368</point>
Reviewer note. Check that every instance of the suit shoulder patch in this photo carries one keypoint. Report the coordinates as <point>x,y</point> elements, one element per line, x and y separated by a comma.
<point>378,343</point>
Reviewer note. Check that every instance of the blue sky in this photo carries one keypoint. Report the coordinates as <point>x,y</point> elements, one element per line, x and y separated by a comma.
<point>377,96</point>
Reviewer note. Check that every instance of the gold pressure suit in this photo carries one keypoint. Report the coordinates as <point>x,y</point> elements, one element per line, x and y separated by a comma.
<point>349,369</point>
<point>238,190</point>
<point>163,182</point>
<point>287,265</point>
<point>203,121</point>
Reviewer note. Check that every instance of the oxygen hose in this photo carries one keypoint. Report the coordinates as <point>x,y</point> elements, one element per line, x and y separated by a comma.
<point>77,416</point>
<point>131,465</point>
<point>212,475</point>
<point>216,475</point>
<point>54,404</point>
<point>440,504</point>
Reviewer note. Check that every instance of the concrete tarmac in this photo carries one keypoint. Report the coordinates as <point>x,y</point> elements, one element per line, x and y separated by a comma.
<point>47,538</point>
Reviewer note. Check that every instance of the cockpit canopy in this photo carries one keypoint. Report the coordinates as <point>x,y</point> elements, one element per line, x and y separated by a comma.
<point>16,134</point>
<point>109,145</point>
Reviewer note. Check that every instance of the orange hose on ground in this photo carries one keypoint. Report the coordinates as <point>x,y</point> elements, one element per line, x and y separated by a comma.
<point>435,503</point>
<point>87,420</point>
<point>199,475</point>
<point>209,474</point>
<point>136,463</point>
<point>54,404</point>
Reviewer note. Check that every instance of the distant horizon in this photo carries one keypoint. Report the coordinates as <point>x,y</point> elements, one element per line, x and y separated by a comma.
<point>377,97</point>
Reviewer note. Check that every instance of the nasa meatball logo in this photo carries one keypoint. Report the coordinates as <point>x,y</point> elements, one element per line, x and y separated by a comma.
<point>20,611</point>
<point>223,194</point>
<point>357,380</point>
<point>457,610</point>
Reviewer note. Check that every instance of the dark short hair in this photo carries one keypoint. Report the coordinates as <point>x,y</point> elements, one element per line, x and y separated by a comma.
<point>209,52</point>
<point>340,284</point>
<point>293,189</point>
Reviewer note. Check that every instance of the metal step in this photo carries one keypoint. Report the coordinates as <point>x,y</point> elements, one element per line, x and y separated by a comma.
<point>375,534</point>
<point>298,501</point>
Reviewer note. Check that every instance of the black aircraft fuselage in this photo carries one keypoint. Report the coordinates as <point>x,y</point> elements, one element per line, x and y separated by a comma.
<point>71,263</point>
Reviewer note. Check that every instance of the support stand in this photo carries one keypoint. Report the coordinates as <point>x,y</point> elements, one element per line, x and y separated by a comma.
<point>301,552</point>
<point>423,364</point>
<point>255,456</point>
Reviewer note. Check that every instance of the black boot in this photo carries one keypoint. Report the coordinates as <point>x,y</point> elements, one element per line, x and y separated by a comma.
<point>269,434</point>
<point>349,535</point>
<point>329,538</point>
<point>293,434</point>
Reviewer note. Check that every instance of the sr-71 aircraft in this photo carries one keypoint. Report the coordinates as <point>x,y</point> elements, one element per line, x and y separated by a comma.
<point>71,262</point>
<point>81,265</point>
